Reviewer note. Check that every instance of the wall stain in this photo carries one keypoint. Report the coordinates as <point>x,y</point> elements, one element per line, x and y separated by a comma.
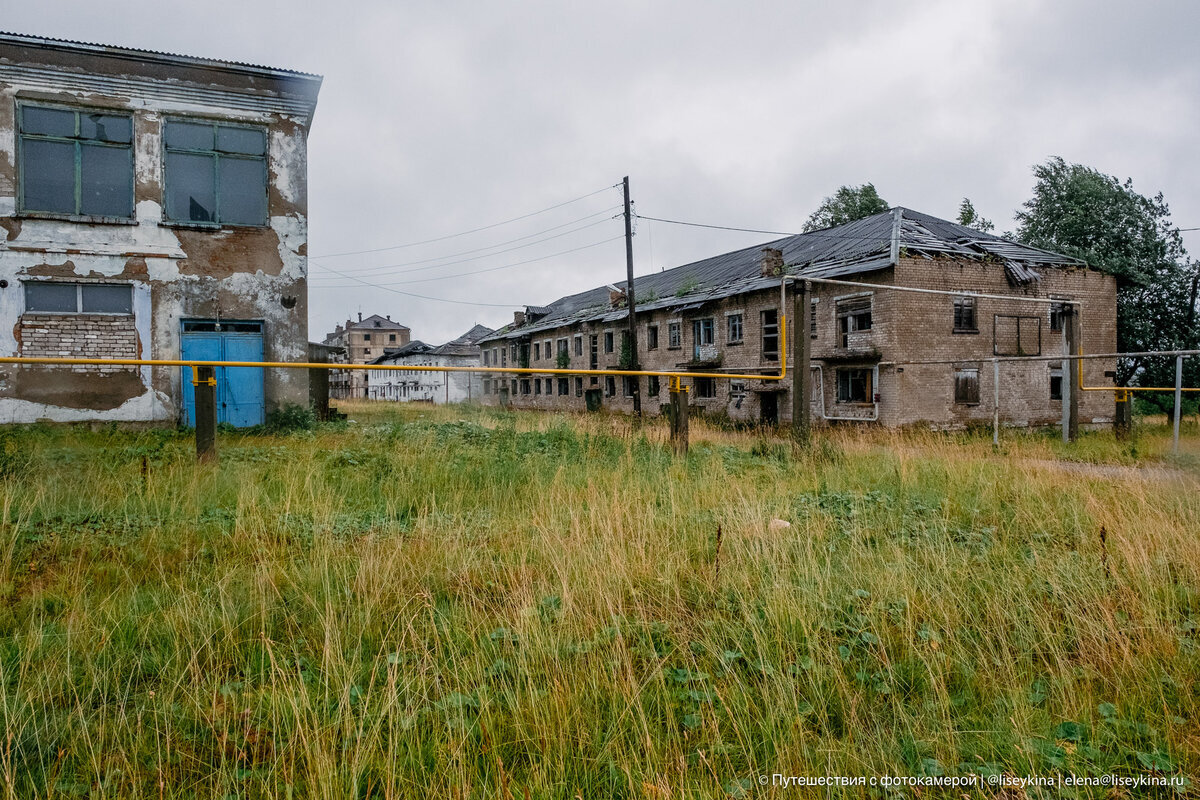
<point>84,390</point>
<point>237,250</point>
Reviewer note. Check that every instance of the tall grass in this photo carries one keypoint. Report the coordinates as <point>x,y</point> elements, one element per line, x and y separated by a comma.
<point>466,603</point>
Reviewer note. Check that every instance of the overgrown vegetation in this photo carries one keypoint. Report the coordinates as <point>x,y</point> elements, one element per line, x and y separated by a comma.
<point>472,603</point>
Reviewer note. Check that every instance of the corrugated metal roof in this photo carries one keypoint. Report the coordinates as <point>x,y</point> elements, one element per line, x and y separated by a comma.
<point>94,47</point>
<point>855,248</point>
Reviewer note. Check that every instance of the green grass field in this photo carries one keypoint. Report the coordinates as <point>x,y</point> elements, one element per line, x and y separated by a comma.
<point>464,603</point>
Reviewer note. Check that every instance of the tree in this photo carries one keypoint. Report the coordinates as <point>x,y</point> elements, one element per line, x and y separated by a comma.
<point>968,216</point>
<point>846,205</point>
<point>1081,212</point>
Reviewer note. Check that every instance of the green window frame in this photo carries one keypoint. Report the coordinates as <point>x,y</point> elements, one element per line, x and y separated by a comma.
<point>98,146</point>
<point>218,170</point>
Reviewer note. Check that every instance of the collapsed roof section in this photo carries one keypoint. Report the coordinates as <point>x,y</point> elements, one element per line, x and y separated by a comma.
<point>855,248</point>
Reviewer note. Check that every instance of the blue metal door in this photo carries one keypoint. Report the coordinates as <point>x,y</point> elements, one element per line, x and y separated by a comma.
<point>240,400</point>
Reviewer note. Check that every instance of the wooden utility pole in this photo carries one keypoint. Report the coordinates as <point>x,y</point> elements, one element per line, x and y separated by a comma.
<point>631,303</point>
<point>801,370</point>
<point>205,386</point>
<point>679,417</point>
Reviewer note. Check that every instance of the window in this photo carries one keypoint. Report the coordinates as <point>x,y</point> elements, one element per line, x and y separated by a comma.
<point>853,314</point>
<point>549,385</point>
<point>706,388</point>
<point>610,385</point>
<point>487,358</point>
<point>564,348</point>
<point>537,385</point>
<point>215,173</point>
<point>391,337</point>
<point>537,351</point>
<point>854,385</point>
<point>964,315</point>
<point>966,387</point>
<point>1056,383</point>
<point>703,331</point>
<point>366,351</point>
<point>54,297</point>
<point>652,386</point>
<point>76,162</point>
<point>578,345</point>
<point>674,336</point>
<point>487,386</point>
<point>735,328</point>
<point>579,387</point>
<point>608,341</point>
<point>504,358</point>
<point>651,337</point>
<point>1056,316</point>
<point>525,386</point>
<point>770,335</point>
<point>628,382</point>
<point>812,319</point>
<point>564,387</point>
<point>514,386</point>
<point>366,337</point>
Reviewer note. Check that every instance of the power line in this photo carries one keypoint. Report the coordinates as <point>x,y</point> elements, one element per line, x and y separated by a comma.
<point>473,230</point>
<point>364,270</point>
<point>715,227</point>
<point>424,296</point>
<point>489,269</point>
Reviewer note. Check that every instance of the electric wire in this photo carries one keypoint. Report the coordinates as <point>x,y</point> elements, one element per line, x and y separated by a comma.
<point>368,284</point>
<point>466,233</point>
<point>480,249</point>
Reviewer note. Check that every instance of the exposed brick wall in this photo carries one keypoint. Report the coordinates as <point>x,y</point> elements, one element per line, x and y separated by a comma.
<point>80,336</point>
<point>905,327</point>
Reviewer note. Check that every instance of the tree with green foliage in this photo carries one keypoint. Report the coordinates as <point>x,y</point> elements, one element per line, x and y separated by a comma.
<point>1081,212</point>
<point>847,204</point>
<point>968,216</point>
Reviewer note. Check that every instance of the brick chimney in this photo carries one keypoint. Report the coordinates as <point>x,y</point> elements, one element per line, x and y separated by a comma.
<point>360,316</point>
<point>518,318</point>
<point>772,262</point>
<point>616,297</point>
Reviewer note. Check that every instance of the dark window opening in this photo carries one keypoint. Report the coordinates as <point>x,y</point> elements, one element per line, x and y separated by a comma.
<point>854,385</point>
<point>608,341</point>
<point>215,173</point>
<point>564,387</point>
<point>812,319</point>
<point>579,387</point>
<point>853,315</point>
<point>1056,383</point>
<point>651,337</point>
<point>706,388</point>
<point>964,315</point>
<point>652,386</point>
<point>628,383</point>
<point>770,335</point>
<point>610,385</point>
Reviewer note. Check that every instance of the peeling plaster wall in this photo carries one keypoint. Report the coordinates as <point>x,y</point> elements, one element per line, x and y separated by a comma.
<point>177,272</point>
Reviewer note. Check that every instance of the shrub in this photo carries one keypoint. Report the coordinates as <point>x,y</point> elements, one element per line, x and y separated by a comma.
<point>291,418</point>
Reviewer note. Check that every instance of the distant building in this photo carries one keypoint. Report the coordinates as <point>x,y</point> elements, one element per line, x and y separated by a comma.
<point>434,387</point>
<point>723,314</point>
<point>151,206</point>
<point>362,342</point>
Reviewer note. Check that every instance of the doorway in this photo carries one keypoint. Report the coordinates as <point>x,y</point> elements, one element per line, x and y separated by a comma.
<point>240,399</point>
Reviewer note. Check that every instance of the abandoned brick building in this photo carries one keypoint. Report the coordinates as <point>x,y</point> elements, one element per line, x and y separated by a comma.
<point>722,314</point>
<point>151,206</point>
<point>361,343</point>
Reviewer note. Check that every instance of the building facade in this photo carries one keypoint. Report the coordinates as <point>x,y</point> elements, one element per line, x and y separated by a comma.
<point>151,206</point>
<point>723,315</point>
<point>362,342</point>
<point>431,387</point>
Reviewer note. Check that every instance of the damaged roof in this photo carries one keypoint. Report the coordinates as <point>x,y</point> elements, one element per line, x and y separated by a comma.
<point>855,248</point>
<point>465,345</point>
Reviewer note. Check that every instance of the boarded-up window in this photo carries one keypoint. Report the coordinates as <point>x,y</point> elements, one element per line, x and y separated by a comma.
<point>966,386</point>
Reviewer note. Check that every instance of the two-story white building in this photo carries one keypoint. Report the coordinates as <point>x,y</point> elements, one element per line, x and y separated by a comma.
<point>151,206</point>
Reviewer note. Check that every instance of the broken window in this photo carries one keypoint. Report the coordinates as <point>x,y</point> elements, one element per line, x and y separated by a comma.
<point>735,328</point>
<point>652,386</point>
<point>525,386</point>
<point>608,341</point>
<point>564,387</point>
<point>770,334</point>
<point>215,173</point>
<point>854,385</point>
<point>579,387</point>
<point>964,315</point>
<point>674,336</point>
<point>537,351</point>
<point>610,385</point>
<point>628,383</point>
<point>853,314</point>
<point>966,387</point>
<point>76,162</point>
<point>706,387</point>
<point>1056,383</point>
<point>651,337</point>
<point>1056,315</point>
<point>578,345</point>
<point>812,318</point>
<point>56,297</point>
<point>549,385</point>
<point>564,348</point>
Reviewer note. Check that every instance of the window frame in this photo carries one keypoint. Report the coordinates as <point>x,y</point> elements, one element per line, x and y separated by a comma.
<point>845,393</point>
<point>849,312</point>
<point>675,335</point>
<point>78,298</point>
<point>963,393</point>
<point>78,214</point>
<point>652,337</point>
<point>732,322</point>
<point>768,331</point>
<point>706,388</point>
<point>217,155</point>
<point>961,306</point>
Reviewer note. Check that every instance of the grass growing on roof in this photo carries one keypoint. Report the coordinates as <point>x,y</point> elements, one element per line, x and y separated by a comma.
<point>467,602</point>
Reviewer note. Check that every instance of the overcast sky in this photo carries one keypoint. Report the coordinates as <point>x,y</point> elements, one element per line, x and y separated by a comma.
<point>441,117</point>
